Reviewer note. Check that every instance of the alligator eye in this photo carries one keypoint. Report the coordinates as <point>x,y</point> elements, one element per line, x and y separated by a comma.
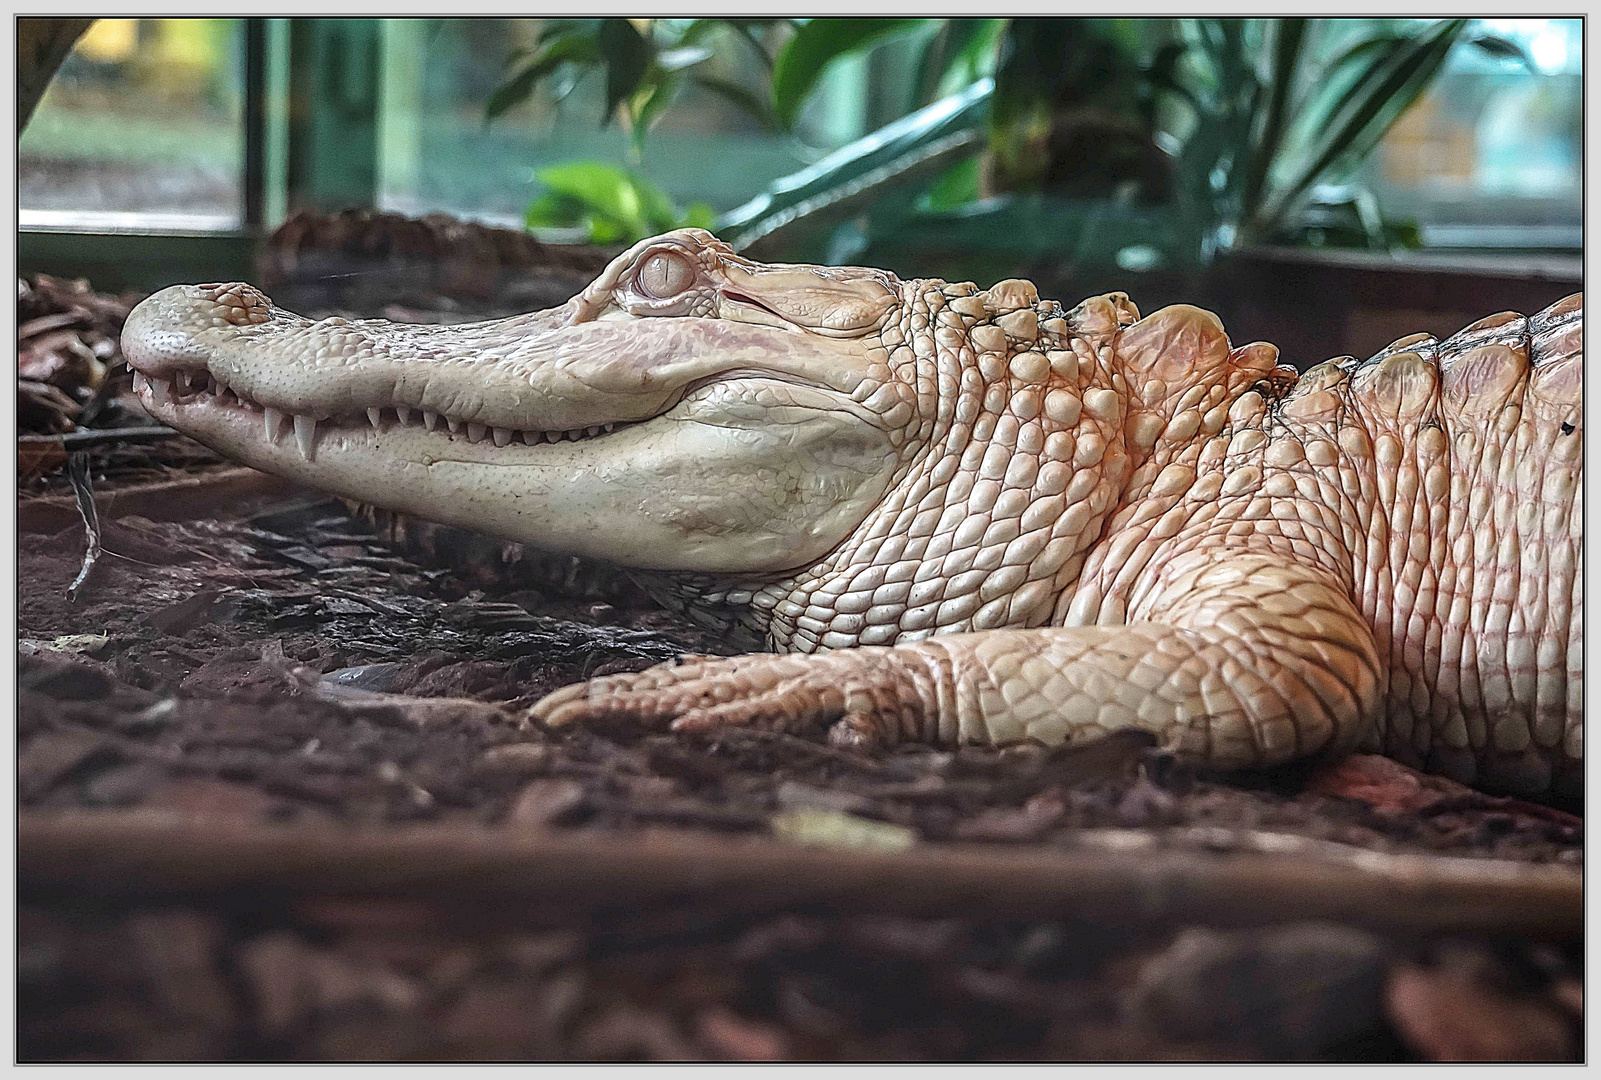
<point>665,275</point>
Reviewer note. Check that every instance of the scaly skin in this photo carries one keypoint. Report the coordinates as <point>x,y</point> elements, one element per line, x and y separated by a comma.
<point>971,516</point>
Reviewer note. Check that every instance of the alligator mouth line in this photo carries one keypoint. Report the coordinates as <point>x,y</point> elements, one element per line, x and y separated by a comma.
<point>203,389</point>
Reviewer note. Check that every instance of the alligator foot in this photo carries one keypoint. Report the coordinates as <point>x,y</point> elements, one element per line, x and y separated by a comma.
<point>863,696</point>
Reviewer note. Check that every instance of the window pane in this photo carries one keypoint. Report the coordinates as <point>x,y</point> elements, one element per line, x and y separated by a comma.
<point>142,128</point>
<point>1491,155</point>
<point>437,154</point>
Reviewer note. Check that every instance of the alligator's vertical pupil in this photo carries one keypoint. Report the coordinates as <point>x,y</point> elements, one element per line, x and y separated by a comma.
<point>665,275</point>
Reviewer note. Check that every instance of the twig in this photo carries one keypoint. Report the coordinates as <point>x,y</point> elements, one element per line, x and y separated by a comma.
<point>206,495</point>
<point>367,601</point>
<point>83,488</point>
<point>96,436</point>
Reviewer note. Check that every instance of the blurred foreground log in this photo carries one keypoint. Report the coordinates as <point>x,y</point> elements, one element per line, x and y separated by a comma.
<point>415,268</point>
<point>1123,880</point>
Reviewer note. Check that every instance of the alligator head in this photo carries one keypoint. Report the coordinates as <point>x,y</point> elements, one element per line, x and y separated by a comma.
<point>689,410</point>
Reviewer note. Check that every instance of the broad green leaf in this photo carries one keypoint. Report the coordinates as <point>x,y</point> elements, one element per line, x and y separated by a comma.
<point>803,59</point>
<point>554,210</point>
<point>1163,74</point>
<point>656,209</point>
<point>628,57</point>
<point>603,188</point>
<point>698,29</point>
<point>604,230</point>
<point>698,216</point>
<point>611,205</point>
<point>958,186</point>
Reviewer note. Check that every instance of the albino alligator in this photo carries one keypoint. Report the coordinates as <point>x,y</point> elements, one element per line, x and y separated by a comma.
<point>971,515</point>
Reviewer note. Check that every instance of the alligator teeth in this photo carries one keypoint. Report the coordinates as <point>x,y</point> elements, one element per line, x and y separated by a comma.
<point>607,428</point>
<point>592,429</point>
<point>274,421</point>
<point>430,420</point>
<point>159,389</point>
<point>502,436</point>
<point>475,432</point>
<point>305,435</point>
<point>452,423</point>
<point>373,417</point>
<point>140,383</point>
<point>403,413</point>
<point>183,380</point>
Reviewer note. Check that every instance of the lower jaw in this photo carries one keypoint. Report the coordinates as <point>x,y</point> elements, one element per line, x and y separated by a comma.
<point>560,497</point>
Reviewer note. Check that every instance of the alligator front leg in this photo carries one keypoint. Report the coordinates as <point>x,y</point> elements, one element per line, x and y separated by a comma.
<point>1237,663</point>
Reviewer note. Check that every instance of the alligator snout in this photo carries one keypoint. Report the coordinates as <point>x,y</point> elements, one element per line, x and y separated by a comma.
<point>165,332</point>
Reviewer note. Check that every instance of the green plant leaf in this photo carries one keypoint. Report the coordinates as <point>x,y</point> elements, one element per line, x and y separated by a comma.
<point>628,56</point>
<point>563,27</point>
<point>1503,48</point>
<point>658,211</point>
<point>697,29</point>
<point>604,231</point>
<point>698,216</point>
<point>931,64</point>
<point>957,186</point>
<point>543,211</point>
<point>804,58</point>
<point>1283,64</point>
<point>682,57</point>
<point>959,48</point>
<point>570,48</point>
<point>612,204</point>
<point>974,47</point>
<point>1365,48</point>
<point>1362,117</point>
<point>601,188</point>
<point>649,105</point>
<point>741,97</point>
<point>897,156</point>
<point>1163,74</point>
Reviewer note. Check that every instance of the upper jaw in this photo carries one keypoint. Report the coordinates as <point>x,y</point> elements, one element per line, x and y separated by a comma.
<point>198,348</point>
<point>527,381</point>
